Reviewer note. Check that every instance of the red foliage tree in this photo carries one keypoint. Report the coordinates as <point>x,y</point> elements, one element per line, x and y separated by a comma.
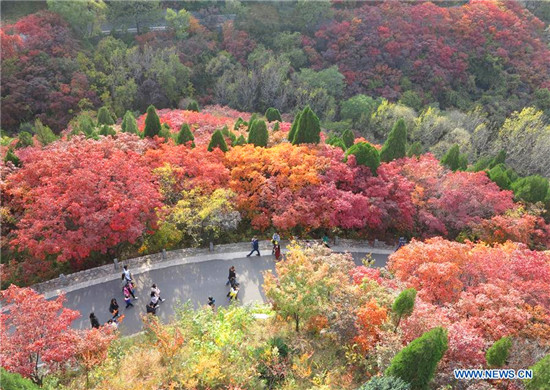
<point>34,331</point>
<point>81,196</point>
<point>370,317</point>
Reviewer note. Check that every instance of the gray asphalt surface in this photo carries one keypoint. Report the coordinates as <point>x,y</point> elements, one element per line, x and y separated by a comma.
<point>178,284</point>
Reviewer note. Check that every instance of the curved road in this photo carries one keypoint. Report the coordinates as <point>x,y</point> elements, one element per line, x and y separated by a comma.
<point>178,284</point>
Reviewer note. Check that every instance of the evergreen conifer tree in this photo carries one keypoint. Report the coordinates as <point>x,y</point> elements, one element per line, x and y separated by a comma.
<point>365,154</point>
<point>129,124</point>
<point>452,158</point>
<point>404,304</point>
<point>309,128</point>
<point>24,139</point>
<point>104,117</point>
<point>417,362</point>
<point>193,106</point>
<point>396,144</point>
<point>415,149</point>
<point>272,114</point>
<point>240,141</point>
<point>185,135</point>
<point>152,122</point>
<point>107,130</point>
<point>294,127</point>
<point>44,134</point>
<point>348,137</point>
<point>253,117</point>
<point>337,142</point>
<point>10,156</point>
<point>258,135</point>
<point>497,354</point>
<point>217,141</point>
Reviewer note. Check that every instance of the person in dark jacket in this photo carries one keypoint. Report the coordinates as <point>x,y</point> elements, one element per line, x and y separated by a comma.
<point>113,308</point>
<point>94,321</point>
<point>232,275</point>
<point>255,247</point>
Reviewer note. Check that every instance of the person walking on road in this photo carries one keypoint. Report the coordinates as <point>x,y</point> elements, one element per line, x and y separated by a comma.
<point>212,303</point>
<point>155,290</point>
<point>94,321</point>
<point>275,240</point>
<point>255,247</point>
<point>232,275</point>
<point>113,308</point>
<point>233,292</point>
<point>154,300</point>
<point>127,297</point>
<point>277,252</point>
<point>151,309</point>
<point>128,281</point>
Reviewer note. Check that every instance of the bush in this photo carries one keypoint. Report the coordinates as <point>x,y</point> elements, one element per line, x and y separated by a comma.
<point>417,362</point>
<point>217,141</point>
<point>104,117</point>
<point>44,134</point>
<point>253,117</point>
<point>349,138</point>
<point>240,141</point>
<point>396,145</point>
<point>272,114</point>
<point>239,123</point>
<point>531,189</point>
<point>404,304</point>
<point>454,160</point>
<point>129,124</point>
<point>165,132</point>
<point>258,135</point>
<point>541,375</point>
<point>185,135</point>
<point>499,175</point>
<point>24,140</point>
<point>385,383</point>
<point>337,142</point>
<point>365,154</point>
<point>10,156</point>
<point>415,149</point>
<point>107,130</point>
<point>294,127</point>
<point>193,106</point>
<point>308,129</point>
<point>497,354</point>
<point>14,381</point>
<point>152,122</point>
<point>358,108</point>
<point>281,346</point>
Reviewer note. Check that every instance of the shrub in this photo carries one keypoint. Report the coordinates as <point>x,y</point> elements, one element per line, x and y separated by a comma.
<point>337,142</point>
<point>152,122</point>
<point>238,124</point>
<point>129,124</point>
<point>240,141</point>
<point>415,149</point>
<point>396,145</point>
<point>309,129</point>
<point>253,117</point>
<point>258,135</point>
<point>451,158</point>
<point>365,154</point>
<point>24,140</point>
<point>281,346</point>
<point>385,383</point>
<point>107,130</point>
<point>10,156</point>
<point>497,354</point>
<point>348,137</point>
<point>531,188</point>
<point>44,134</point>
<point>104,117</point>
<point>541,375</point>
<point>499,175</point>
<point>165,132</point>
<point>294,127</point>
<point>404,304</point>
<point>272,114</point>
<point>417,362</point>
<point>217,141</point>
<point>14,381</point>
<point>193,106</point>
<point>185,135</point>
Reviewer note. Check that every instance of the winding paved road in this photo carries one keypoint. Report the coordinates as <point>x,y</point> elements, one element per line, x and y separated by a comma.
<point>193,282</point>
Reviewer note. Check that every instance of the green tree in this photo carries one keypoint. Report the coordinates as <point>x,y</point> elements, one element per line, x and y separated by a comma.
<point>185,135</point>
<point>240,122</point>
<point>253,117</point>
<point>411,99</point>
<point>152,122</point>
<point>294,127</point>
<point>14,381</point>
<point>531,188</point>
<point>134,13</point>
<point>85,124</point>
<point>396,145</point>
<point>165,132</point>
<point>415,149</point>
<point>349,138</point>
<point>240,141</point>
<point>24,139</point>
<point>193,106</point>
<point>541,375</point>
<point>365,154</point>
<point>337,142</point>
<point>44,134</point>
<point>10,156</point>
<point>500,158</point>
<point>358,109</point>
<point>104,117</point>
<point>404,304</point>
<point>417,362</point>
<point>107,130</point>
<point>217,141</point>
<point>272,114</point>
<point>309,129</point>
<point>84,16</point>
<point>497,354</point>
<point>258,135</point>
<point>499,175</point>
<point>451,159</point>
<point>385,383</point>
<point>178,21</point>
<point>129,124</point>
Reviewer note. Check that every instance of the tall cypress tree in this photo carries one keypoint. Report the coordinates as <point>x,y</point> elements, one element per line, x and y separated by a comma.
<point>258,135</point>
<point>104,117</point>
<point>294,126</point>
<point>185,135</point>
<point>396,145</point>
<point>348,137</point>
<point>404,304</point>
<point>451,159</point>
<point>417,362</point>
<point>309,128</point>
<point>129,124</point>
<point>239,141</point>
<point>238,123</point>
<point>193,106</point>
<point>152,122</point>
<point>272,114</point>
<point>217,141</point>
<point>253,117</point>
